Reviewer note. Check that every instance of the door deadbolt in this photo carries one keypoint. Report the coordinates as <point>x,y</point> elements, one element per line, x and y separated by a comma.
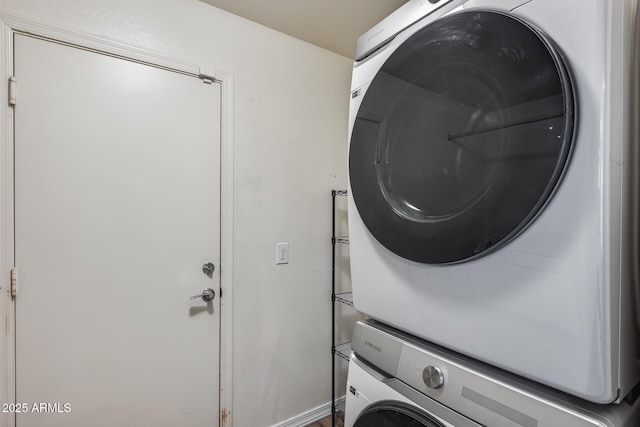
<point>208,269</point>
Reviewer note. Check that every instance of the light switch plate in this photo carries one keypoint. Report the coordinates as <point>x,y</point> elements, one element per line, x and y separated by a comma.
<point>282,253</point>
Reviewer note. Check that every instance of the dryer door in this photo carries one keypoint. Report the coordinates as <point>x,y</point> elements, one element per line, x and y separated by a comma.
<point>461,138</point>
<point>395,414</point>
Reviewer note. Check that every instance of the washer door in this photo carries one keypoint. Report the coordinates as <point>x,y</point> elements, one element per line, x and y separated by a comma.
<point>461,137</point>
<point>394,414</point>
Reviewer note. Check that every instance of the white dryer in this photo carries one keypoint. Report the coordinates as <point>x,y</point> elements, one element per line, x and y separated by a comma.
<point>494,185</point>
<point>397,381</point>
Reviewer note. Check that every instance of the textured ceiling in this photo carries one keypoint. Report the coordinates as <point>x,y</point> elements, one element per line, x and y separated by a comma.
<point>332,24</point>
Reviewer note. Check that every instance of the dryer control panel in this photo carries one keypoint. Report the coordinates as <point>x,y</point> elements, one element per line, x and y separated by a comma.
<point>404,17</point>
<point>479,391</point>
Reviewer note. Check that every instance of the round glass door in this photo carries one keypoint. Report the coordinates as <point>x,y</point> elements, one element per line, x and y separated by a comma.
<point>461,137</point>
<point>390,414</point>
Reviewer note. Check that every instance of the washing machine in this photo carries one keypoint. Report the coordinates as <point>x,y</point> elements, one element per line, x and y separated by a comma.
<point>493,185</point>
<point>396,380</point>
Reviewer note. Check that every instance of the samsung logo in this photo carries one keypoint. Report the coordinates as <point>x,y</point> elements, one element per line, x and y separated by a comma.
<point>373,346</point>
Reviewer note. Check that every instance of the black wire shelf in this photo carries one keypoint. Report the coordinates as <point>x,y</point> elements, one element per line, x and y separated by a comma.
<point>340,239</point>
<point>343,350</point>
<point>345,298</point>
<point>339,410</point>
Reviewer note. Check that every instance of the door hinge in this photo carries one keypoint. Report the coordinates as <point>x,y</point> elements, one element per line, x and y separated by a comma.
<point>12,90</point>
<point>14,281</point>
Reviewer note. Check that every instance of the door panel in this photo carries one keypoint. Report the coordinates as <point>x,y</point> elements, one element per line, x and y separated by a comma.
<point>117,209</point>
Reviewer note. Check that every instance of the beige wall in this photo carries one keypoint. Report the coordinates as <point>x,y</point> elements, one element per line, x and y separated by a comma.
<point>290,126</point>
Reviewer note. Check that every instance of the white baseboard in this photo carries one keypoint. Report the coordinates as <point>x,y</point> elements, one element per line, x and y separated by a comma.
<point>311,416</point>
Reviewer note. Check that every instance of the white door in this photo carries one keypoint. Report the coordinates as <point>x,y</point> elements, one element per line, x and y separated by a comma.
<point>117,208</point>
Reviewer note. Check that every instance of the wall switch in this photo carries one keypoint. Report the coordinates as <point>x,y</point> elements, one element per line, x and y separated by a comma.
<point>282,253</point>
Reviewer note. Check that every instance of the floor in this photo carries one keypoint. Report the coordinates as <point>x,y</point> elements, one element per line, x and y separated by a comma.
<point>326,422</point>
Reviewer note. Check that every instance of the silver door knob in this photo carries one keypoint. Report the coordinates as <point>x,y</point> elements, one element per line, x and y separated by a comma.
<point>206,295</point>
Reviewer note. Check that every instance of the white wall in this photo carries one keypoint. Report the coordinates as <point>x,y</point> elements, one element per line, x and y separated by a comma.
<point>291,101</point>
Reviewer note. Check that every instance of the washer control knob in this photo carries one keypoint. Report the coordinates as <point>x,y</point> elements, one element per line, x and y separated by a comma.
<point>433,377</point>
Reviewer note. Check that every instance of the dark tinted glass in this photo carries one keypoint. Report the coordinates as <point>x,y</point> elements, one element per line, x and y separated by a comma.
<point>461,137</point>
<point>389,414</point>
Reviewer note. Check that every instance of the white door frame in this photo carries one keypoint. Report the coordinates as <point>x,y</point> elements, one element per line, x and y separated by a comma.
<point>10,25</point>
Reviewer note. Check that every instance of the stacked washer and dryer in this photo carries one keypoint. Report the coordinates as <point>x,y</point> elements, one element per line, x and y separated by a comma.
<point>494,215</point>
